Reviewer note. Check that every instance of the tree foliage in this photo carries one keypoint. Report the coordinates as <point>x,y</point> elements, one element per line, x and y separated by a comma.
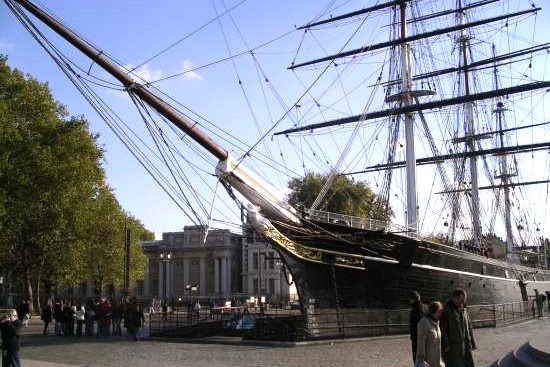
<point>104,255</point>
<point>345,196</point>
<point>56,212</point>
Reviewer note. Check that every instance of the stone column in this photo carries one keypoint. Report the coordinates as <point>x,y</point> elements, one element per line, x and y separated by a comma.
<point>229,280</point>
<point>161,279</point>
<point>216,275</point>
<point>169,279</point>
<point>146,278</point>
<point>224,275</point>
<point>202,285</point>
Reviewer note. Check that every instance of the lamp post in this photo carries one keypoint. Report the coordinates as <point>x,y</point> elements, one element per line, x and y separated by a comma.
<point>165,257</point>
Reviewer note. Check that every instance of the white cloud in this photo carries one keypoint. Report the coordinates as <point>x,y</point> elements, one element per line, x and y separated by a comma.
<point>6,45</point>
<point>144,72</point>
<point>187,70</point>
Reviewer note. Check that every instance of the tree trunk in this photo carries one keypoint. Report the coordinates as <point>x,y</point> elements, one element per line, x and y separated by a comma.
<point>28,291</point>
<point>38,280</point>
<point>38,306</point>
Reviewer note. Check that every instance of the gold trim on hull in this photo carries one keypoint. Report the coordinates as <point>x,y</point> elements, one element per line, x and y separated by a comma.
<point>312,254</point>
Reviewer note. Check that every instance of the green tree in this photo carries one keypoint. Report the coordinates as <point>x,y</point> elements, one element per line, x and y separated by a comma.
<point>344,196</point>
<point>56,212</point>
<point>50,165</point>
<point>103,256</point>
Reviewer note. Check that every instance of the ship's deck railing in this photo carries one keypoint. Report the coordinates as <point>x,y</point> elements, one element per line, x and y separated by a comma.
<point>358,222</point>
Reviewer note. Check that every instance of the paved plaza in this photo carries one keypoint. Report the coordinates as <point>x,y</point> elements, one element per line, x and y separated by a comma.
<point>39,351</point>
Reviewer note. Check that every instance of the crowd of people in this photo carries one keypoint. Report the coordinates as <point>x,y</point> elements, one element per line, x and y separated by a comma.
<point>441,335</point>
<point>101,318</point>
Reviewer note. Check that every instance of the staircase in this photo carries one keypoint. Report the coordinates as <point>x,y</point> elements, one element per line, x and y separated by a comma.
<point>531,354</point>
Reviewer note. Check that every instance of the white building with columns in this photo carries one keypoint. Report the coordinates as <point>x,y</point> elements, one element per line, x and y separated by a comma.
<point>264,273</point>
<point>224,266</point>
<point>183,264</point>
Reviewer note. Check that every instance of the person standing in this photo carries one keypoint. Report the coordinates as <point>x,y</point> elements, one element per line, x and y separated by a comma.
<point>89,317</point>
<point>46,316</point>
<point>133,318</point>
<point>23,312</point>
<point>117,315</point>
<point>164,306</point>
<point>79,317</point>
<point>103,315</point>
<point>58,317</point>
<point>457,338</point>
<point>429,337</point>
<point>418,310</point>
<point>68,319</point>
<point>539,301</point>
<point>10,328</point>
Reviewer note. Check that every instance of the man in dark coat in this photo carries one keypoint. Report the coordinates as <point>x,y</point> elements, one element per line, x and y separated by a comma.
<point>457,338</point>
<point>10,327</point>
<point>418,311</point>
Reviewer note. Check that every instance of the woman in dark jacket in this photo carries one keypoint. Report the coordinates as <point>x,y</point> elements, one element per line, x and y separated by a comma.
<point>46,316</point>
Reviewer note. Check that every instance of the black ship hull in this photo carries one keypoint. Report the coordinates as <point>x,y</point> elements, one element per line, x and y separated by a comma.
<point>379,270</point>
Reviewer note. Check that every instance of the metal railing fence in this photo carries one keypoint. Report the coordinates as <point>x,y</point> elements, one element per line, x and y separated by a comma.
<point>291,325</point>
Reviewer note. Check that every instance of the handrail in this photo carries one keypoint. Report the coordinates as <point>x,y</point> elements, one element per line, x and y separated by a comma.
<point>359,222</point>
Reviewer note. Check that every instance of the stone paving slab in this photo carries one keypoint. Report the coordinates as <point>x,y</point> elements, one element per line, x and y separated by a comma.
<point>31,363</point>
<point>493,343</point>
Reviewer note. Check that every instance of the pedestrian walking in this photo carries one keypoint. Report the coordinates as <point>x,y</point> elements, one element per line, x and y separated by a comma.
<point>457,338</point>
<point>429,337</point>
<point>47,315</point>
<point>10,327</point>
<point>418,310</point>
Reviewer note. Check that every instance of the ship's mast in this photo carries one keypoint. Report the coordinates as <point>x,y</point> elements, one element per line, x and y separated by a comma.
<point>470,140</point>
<point>406,100</point>
<point>504,174</point>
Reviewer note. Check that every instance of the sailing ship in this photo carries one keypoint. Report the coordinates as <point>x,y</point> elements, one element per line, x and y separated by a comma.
<point>339,261</point>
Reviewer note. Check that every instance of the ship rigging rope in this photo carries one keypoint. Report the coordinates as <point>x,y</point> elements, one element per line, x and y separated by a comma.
<point>302,95</point>
<point>181,173</point>
<point>237,74</point>
<point>103,110</point>
<point>95,101</point>
<point>282,168</point>
<point>106,84</point>
<point>222,60</point>
<point>190,34</point>
<point>142,108</point>
<point>343,155</point>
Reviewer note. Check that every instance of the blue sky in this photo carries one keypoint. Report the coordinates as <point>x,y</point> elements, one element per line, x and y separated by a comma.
<point>133,31</point>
